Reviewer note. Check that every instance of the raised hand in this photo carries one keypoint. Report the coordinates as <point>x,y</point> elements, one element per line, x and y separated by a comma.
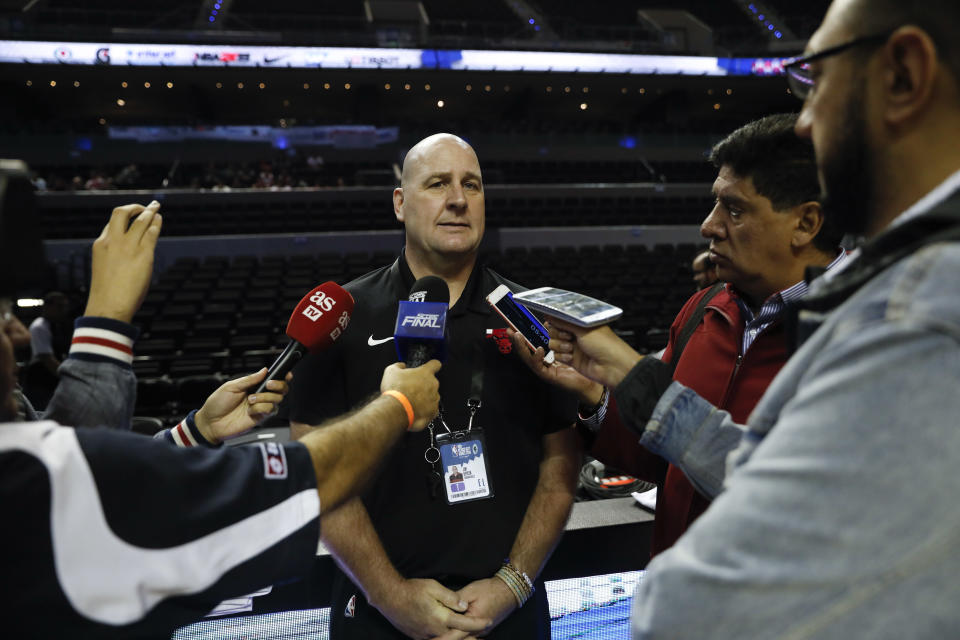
<point>123,262</point>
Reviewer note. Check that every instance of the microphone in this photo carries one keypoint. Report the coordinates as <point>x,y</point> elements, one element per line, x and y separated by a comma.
<point>315,324</point>
<point>420,333</point>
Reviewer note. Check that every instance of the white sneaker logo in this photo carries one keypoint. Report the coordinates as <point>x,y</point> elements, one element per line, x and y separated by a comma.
<point>371,341</point>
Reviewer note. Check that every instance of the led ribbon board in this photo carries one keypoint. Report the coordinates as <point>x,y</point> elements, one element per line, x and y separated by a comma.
<point>184,55</point>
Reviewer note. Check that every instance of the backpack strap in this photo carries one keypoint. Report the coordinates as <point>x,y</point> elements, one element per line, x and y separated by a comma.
<point>693,322</point>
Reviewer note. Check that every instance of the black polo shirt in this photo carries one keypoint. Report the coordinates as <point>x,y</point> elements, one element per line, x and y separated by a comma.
<point>423,535</point>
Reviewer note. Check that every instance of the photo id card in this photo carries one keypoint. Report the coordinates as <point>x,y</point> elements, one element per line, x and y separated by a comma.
<point>464,466</point>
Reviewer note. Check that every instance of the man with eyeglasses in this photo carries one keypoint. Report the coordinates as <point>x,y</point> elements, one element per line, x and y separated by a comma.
<point>837,514</point>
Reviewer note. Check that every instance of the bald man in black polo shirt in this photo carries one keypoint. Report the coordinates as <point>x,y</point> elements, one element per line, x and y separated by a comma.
<point>424,557</point>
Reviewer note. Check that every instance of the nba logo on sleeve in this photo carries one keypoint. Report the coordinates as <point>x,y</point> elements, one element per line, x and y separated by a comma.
<point>274,461</point>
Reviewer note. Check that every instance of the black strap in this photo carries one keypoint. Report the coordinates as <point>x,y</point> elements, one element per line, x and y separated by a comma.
<point>693,323</point>
<point>940,224</point>
<point>476,378</point>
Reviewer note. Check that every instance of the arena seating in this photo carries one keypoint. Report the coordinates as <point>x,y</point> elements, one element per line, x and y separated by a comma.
<point>202,214</point>
<point>211,317</point>
<point>803,18</point>
<point>457,25</point>
<point>271,174</point>
<point>587,171</point>
<point>575,20</point>
<point>208,319</point>
<point>92,14</point>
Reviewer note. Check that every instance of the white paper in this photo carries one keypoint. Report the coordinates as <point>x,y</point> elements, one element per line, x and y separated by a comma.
<point>238,605</point>
<point>647,499</point>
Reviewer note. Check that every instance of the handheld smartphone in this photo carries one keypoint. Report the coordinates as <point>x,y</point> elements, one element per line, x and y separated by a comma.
<point>575,308</point>
<point>521,321</point>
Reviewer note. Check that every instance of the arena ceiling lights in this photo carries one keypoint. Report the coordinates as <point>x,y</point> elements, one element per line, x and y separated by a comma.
<point>181,55</point>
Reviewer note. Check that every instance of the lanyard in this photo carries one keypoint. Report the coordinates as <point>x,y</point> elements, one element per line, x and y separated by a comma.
<point>432,454</point>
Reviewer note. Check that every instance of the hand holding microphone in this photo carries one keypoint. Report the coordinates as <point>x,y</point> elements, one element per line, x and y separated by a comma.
<point>315,324</point>
<point>420,340</point>
<point>420,332</point>
<point>229,412</point>
<point>419,386</point>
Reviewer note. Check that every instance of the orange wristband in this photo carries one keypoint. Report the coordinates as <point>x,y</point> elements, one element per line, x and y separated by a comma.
<point>402,399</point>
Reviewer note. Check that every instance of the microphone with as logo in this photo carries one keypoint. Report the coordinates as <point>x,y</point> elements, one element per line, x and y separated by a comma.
<point>315,324</point>
<point>420,332</point>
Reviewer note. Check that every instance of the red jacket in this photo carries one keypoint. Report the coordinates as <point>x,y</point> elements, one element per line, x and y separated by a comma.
<point>711,366</point>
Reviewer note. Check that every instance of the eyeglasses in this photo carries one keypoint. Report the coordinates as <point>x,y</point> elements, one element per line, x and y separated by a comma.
<point>798,69</point>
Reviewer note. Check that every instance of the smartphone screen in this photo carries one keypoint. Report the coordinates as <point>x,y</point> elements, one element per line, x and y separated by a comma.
<point>521,320</point>
<point>573,307</point>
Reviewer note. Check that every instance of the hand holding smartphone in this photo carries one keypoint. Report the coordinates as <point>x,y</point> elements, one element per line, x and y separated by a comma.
<point>521,321</point>
<point>572,307</point>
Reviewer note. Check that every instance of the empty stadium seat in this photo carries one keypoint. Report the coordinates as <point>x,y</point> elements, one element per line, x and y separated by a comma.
<point>193,365</point>
<point>156,397</point>
<point>155,346</point>
<point>193,390</point>
<point>146,425</point>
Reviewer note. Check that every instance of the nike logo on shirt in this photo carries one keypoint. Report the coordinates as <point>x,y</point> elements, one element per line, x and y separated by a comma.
<point>374,341</point>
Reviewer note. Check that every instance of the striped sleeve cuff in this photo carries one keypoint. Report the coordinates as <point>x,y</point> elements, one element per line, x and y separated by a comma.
<point>103,340</point>
<point>595,420</point>
<point>186,434</point>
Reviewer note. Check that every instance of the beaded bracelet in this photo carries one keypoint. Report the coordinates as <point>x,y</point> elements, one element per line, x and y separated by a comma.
<point>522,574</point>
<point>517,581</point>
<point>507,578</point>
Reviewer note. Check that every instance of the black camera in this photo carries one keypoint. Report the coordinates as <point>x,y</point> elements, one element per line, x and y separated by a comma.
<point>23,267</point>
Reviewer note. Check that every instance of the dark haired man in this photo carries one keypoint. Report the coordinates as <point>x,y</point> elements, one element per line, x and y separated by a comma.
<point>765,229</point>
<point>837,514</point>
<point>704,271</point>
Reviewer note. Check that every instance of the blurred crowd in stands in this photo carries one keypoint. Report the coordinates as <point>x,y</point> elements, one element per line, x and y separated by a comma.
<point>280,174</point>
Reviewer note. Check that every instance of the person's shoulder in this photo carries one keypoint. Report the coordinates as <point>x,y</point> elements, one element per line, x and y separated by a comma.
<point>383,286</point>
<point>373,280</point>
<point>721,299</point>
<point>375,296</point>
<point>919,292</point>
<point>937,257</point>
<point>925,285</point>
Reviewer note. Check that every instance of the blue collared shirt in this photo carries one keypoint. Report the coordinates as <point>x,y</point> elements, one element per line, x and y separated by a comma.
<point>773,307</point>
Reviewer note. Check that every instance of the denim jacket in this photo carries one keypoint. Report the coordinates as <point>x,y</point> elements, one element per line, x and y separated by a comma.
<point>838,507</point>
